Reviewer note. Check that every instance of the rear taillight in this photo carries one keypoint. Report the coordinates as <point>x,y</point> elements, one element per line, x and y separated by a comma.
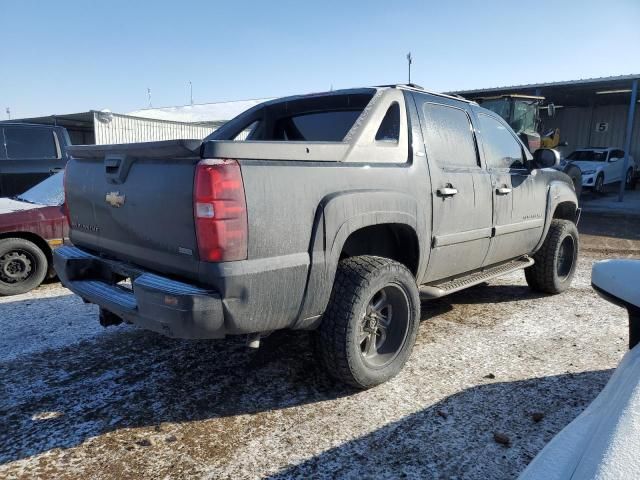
<point>220,211</point>
<point>65,205</point>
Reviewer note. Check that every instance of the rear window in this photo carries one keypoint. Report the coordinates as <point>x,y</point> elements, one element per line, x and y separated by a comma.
<point>314,118</point>
<point>319,127</point>
<point>30,143</point>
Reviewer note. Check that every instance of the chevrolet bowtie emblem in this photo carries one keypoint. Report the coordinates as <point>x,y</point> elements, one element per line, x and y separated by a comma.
<point>115,199</point>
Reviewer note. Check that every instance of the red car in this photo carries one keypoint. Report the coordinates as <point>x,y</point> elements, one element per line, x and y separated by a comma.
<point>32,224</point>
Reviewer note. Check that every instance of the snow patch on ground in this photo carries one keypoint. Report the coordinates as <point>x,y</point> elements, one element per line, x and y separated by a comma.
<point>82,402</point>
<point>49,317</point>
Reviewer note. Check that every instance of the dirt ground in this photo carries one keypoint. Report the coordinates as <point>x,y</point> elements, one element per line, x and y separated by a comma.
<point>79,401</point>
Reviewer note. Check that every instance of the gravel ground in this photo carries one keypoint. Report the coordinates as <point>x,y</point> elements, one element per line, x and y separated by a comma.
<point>495,361</point>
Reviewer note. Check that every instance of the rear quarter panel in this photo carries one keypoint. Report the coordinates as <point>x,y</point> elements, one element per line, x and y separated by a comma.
<point>299,215</point>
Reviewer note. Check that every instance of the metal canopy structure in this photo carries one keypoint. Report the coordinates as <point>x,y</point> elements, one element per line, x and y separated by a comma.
<point>572,93</point>
<point>590,100</point>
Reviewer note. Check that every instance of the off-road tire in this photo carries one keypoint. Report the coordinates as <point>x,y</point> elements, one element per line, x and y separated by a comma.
<point>28,253</point>
<point>544,275</point>
<point>358,280</point>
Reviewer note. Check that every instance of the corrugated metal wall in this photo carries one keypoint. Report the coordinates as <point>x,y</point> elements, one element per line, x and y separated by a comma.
<point>116,128</point>
<point>578,127</point>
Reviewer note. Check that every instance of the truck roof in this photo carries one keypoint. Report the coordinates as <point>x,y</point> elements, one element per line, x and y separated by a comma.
<point>12,123</point>
<point>400,86</point>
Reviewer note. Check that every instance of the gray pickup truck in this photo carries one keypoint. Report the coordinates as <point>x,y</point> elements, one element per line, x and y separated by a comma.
<point>336,212</point>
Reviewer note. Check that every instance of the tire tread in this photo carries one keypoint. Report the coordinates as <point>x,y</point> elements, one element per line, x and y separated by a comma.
<point>351,287</point>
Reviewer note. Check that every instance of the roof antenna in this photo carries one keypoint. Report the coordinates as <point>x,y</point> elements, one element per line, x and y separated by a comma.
<point>191,91</point>
<point>149,96</point>
<point>409,61</point>
<point>8,110</point>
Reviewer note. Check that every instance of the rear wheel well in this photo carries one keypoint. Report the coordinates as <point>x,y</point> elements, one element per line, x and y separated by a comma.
<point>40,242</point>
<point>396,241</point>
<point>566,211</point>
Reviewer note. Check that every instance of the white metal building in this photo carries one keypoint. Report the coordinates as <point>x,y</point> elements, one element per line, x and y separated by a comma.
<point>104,127</point>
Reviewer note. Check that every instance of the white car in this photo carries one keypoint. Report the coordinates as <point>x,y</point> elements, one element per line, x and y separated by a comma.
<point>604,440</point>
<point>602,166</point>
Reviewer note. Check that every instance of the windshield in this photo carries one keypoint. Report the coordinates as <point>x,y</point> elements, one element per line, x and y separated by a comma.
<point>48,192</point>
<point>519,114</point>
<point>524,116</point>
<point>588,155</point>
<point>501,106</point>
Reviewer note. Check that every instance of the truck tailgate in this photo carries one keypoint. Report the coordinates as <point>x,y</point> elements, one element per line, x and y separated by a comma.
<point>134,202</point>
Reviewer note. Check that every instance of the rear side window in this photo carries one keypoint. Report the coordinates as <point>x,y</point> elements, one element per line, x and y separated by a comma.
<point>448,136</point>
<point>318,127</point>
<point>30,143</point>
<point>501,148</point>
<point>389,130</point>
<point>246,133</point>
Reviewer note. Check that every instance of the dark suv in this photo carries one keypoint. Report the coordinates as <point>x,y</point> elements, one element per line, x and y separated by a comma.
<point>28,154</point>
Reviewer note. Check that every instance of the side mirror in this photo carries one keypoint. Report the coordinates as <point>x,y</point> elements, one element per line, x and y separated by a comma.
<point>546,158</point>
<point>551,110</point>
<point>616,281</point>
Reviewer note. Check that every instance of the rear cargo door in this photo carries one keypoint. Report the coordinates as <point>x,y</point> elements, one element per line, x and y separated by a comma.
<point>135,202</point>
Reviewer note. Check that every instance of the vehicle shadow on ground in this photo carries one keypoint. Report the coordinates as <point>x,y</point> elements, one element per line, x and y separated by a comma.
<point>133,378</point>
<point>454,438</point>
<point>480,294</point>
<point>625,227</point>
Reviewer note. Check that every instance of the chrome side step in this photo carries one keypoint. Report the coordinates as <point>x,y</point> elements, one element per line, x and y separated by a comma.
<point>437,290</point>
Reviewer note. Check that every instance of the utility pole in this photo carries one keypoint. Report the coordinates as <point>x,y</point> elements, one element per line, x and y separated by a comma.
<point>409,61</point>
<point>9,113</point>
<point>191,91</point>
<point>149,96</point>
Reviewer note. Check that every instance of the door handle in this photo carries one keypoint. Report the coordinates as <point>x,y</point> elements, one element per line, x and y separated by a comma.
<point>503,190</point>
<point>447,191</point>
<point>55,170</point>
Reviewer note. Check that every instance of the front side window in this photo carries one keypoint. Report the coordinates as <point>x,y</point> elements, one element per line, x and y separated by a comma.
<point>501,149</point>
<point>619,154</point>
<point>588,156</point>
<point>448,136</point>
<point>30,143</point>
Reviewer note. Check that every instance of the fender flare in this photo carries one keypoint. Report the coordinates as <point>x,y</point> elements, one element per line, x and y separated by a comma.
<point>557,193</point>
<point>339,215</point>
